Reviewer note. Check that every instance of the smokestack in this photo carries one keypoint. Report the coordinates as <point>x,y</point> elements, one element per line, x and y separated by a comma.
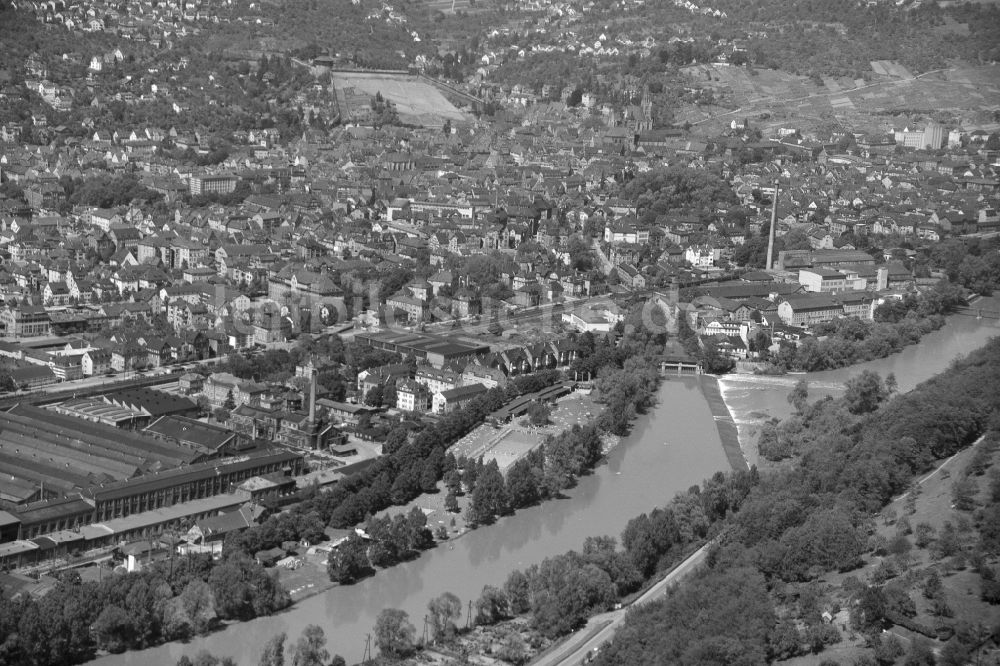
<point>770,235</point>
<point>312,393</point>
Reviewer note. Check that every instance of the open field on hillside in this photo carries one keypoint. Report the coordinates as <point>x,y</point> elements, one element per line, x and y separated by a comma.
<point>449,6</point>
<point>787,98</point>
<point>416,102</point>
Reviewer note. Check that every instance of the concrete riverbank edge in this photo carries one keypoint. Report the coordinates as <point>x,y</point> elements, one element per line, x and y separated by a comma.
<point>724,422</point>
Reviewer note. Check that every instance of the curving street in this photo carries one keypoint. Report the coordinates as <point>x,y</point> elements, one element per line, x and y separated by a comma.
<point>601,628</point>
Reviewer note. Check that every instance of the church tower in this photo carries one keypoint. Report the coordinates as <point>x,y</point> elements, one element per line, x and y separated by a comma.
<point>646,105</point>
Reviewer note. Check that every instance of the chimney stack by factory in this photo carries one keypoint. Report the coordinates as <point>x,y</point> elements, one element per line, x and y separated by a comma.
<point>770,235</point>
<point>312,392</point>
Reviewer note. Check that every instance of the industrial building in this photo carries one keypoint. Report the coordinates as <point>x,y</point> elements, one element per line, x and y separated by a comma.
<point>436,350</point>
<point>154,491</point>
<point>45,454</point>
<point>113,513</point>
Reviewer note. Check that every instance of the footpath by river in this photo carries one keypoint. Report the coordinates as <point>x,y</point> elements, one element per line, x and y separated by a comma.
<point>694,431</point>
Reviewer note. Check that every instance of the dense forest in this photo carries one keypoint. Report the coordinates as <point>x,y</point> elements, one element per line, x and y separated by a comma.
<point>852,456</point>
<point>662,191</point>
<point>839,38</point>
<point>353,31</point>
<point>973,263</point>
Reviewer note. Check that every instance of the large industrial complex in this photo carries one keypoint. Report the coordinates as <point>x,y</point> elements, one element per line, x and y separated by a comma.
<point>103,470</point>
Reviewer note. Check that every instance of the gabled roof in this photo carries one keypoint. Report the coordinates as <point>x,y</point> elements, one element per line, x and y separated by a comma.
<point>807,302</point>
<point>244,517</point>
<point>463,392</point>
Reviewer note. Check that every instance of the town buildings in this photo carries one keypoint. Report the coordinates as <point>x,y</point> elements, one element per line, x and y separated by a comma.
<point>258,238</point>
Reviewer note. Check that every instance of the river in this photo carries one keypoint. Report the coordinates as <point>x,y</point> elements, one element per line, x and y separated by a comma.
<point>670,449</point>
<point>753,397</point>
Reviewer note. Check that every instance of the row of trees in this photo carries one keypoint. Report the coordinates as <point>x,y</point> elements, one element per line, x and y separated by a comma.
<point>561,592</point>
<point>164,602</point>
<point>542,474</point>
<point>387,542</point>
<point>414,462</point>
<point>309,650</point>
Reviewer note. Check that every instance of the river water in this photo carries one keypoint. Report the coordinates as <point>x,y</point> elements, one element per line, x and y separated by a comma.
<point>753,397</point>
<point>670,449</point>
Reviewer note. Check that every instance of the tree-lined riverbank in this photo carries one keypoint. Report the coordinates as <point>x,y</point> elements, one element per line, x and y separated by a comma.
<point>669,449</point>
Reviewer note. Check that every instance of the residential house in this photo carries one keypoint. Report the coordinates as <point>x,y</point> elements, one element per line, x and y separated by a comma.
<point>219,386</point>
<point>412,396</point>
<point>383,375</point>
<point>631,276</point>
<point>702,256</point>
<point>95,362</point>
<point>476,373</point>
<point>437,380</point>
<point>401,306</point>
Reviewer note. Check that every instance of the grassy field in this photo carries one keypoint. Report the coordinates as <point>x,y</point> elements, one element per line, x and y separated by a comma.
<point>416,102</point>
<point>449,6</point>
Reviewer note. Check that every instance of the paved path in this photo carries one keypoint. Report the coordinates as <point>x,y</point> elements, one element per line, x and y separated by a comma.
<point>601,628</point>
<point>606,264</point>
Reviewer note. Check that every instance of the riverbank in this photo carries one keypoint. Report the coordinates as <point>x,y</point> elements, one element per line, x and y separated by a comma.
<point>724,422</point>
<point>670,448</point>
<point>753,399</point>
<point>311,579</point>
